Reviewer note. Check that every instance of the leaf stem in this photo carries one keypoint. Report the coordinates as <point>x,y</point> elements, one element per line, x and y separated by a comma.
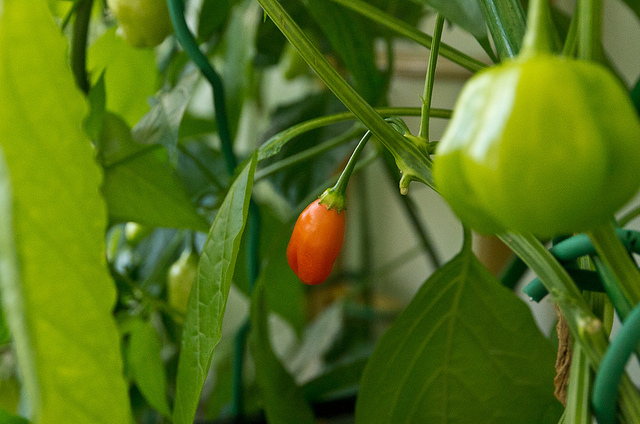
<point>307,154</point>
<point>430,79</point>
<point>79,44</point>
<point>273,145</point>
<point>411,33</point>
<point>336,196</point>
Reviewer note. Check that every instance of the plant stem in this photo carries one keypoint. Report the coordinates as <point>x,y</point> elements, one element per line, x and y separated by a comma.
<point>586,329</point>
<point>412,162</point>
<point>273,145</point>
<point>617,260</point>
<point>430,79</point>
<point>402,28</point>
<point>571,42</point>
<point>590,29</point>
<point>414,217</point>
<point>307,154</point>
<point>578,391</point>
<point>79,45</point>
<point>190,46</point>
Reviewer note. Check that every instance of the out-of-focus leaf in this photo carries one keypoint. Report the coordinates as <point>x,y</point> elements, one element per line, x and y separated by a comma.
<point>213,15</point>
<point>466,349</point>
<point>465,13</point>
<point>237,72</point>
<point>146,367</point>
<point>283,290</point>
<point>7,418</point>
<point>161,125</point>
<point>340,378</point>
<point>284,401</point>
<point>349,37</point>
<point>97,103</point>
<point>634,5</point>
<point>138,186</point>
<point>208,300</point>
<point>130,75</point>
<point>56,291</point>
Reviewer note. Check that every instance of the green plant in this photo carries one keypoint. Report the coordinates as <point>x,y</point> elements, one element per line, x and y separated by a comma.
<point>218,140</point>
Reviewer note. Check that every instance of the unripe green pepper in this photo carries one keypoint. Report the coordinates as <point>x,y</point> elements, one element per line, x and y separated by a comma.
<point>142,23</point>
<point>542,144</point>
<point>182,273</point>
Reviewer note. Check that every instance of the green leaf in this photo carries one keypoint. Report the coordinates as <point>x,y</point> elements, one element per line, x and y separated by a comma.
<point>349,37</point>
<point>237,72</point>
<point>284,401</point>
<point>506,22</point>
<point>161,124</point>
<point>464,13</point>
<point>464,350</point>
<point>57,294</point>
<point>5,336</point>
<point>208,300</point>
<point>342,377</point>
<point>138,186</point>
<point>130,75</point>
<point>7,418</point>
<point>284,292</point>
<point>213,15</point>
<point>634,5</point>
<point>146,367</point>
<point>97,102</point>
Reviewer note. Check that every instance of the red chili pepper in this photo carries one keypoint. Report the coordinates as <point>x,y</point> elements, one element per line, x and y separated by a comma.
<point>316,242</point>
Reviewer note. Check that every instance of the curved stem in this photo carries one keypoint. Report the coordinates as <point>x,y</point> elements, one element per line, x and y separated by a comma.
<point>430,79</point>
<point>273,145</point>
<point>190,46</point>
<point>79,44</point>
<point>336,196</point>
<point>307,154</point>
<point>411,33</point>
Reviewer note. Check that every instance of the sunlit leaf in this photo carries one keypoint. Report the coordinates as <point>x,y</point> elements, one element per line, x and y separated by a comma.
<point>56,291</point>
<point>208,300</point>
<point>464,350</point>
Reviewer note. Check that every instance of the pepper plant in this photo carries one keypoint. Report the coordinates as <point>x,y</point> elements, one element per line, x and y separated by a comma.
<point>151,176</point>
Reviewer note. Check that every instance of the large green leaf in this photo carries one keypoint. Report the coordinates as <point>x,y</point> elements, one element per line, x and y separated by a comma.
<point>140,187</point>
<point>464,350</point>
<point>56,291</point>
<point>284,401</point>
<point>130,75</point>
<point>208,300</point>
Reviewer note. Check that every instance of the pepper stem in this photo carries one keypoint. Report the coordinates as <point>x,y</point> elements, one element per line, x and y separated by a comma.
<point>541,36</point>
<point>336,197</point>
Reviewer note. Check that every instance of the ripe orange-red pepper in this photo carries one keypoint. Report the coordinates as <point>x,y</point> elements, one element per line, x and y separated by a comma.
<point>316,242</point>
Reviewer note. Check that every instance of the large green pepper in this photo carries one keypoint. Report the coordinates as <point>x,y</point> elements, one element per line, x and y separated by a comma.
<point>540,144</point>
